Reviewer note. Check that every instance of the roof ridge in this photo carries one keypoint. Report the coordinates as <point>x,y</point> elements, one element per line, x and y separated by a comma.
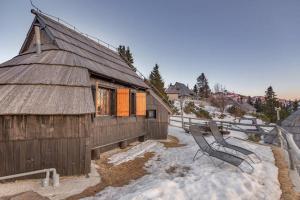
<point>84,35</point>
<point>92,45</point>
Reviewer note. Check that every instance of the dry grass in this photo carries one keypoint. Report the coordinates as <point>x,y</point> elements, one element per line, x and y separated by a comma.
<point>116,176</point>
<point>30,195</point>
<point>172,142</point>
<point>286,184</point>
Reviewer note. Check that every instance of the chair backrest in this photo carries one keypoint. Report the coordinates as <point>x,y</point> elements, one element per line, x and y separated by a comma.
<point>216,132</point>
<point>200,140</point>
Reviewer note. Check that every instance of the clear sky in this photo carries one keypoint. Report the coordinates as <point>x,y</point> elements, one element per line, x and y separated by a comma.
<point>245,45</point>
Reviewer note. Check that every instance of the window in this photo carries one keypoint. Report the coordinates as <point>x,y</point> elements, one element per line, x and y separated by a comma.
<point>151,114</point>
<point>105,101</point>
<point>132,103</point>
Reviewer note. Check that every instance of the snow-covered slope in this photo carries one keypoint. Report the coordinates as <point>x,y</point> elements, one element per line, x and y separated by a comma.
<point>196,180</point>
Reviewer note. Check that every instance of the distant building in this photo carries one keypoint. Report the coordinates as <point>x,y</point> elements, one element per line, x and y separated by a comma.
<point>179,90</point>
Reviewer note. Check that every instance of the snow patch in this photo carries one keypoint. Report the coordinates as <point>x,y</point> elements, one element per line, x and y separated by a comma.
<point>136,151</point>
<point>199,179</point>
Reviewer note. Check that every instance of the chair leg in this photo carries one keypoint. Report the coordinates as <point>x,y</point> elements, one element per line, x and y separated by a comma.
<point>196,154</point>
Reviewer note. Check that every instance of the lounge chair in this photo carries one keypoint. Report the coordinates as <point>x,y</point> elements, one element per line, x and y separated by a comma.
<point>209,151</point>
<point>220,141</point>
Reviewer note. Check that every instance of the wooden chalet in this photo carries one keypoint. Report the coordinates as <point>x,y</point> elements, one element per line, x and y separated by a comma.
<point>65,98</point>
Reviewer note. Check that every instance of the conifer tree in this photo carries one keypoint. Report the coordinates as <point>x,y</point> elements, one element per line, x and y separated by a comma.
<point>127,56</point>
<point>156,80</point>
<point>270,104</point>
<point>295,105</point>
<point>285,110</point>
<point>195,90</point>
<point>258,105</point>
<point>203,87</point>
<point>249,100</point>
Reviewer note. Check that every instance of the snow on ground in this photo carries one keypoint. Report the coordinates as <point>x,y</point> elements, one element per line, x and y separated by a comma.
<point>68,186</point>
<point>134,152</point>
<point>173,174</point>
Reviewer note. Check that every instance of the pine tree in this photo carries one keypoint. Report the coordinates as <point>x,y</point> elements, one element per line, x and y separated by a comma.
<point>195,90</point>
<point>249,101</point>
<point>258,105</point>
<point>270,104</point>
<point>156,80</point>
<point>241,99</point>
<point>203,87</point>
<point>285,110</point>
<point>295,105</point>
<point>127,56</point>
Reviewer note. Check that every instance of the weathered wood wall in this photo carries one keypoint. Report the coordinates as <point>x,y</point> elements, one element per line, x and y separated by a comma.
<point>108,130</point>
<point>30,143</point>
<point>157,128</point>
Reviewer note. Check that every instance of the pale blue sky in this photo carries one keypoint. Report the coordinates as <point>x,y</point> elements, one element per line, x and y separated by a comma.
<point>245,45</point>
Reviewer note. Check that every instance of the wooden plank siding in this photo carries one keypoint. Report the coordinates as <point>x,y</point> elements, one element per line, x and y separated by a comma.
<point>110,130</point>
<point>157,128</point>
<point>30,143</point>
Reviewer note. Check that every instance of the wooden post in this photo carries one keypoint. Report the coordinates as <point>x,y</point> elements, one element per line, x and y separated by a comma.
<point>141,138</point>
<point>123,144</point>
<point>181,107</point>
<point>96,154</point>
<point>278,114</point>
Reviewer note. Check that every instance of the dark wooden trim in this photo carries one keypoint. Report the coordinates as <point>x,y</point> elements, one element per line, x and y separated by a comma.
<point>27,36</point>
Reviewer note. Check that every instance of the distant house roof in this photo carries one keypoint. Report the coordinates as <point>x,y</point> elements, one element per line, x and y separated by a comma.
<point>180,89</point>
<point>293,121</point>
<point>292,124</point>
<point>57,80</point>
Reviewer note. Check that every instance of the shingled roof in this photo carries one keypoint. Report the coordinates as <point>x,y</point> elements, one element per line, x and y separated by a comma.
<point>292,122</point>
<point>180,89</point>
<point>57,81</point>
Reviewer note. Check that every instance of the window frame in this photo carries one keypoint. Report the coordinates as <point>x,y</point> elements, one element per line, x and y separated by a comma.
<point>132,103</point>
<point>112,100</point>
<point>147,114</point>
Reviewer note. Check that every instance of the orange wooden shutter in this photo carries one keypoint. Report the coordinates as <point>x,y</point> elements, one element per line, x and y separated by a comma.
<point>122,102</point>
<point>141,103</point>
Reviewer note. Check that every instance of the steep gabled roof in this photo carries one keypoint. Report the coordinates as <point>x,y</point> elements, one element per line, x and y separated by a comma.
<point>82,51</point>
<point>292,123</point>
<point>180,89</point>
<point>293,120</point>
<point>57,81</point>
